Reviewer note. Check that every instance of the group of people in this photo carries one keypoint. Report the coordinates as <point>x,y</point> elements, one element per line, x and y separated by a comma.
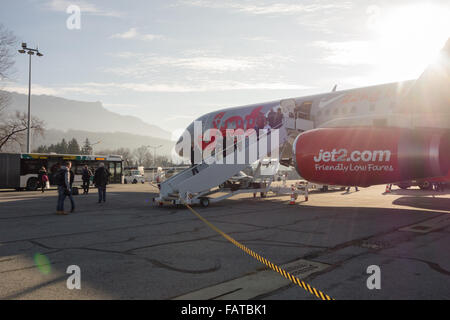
<point>64,178</point>
<point>274,119</point>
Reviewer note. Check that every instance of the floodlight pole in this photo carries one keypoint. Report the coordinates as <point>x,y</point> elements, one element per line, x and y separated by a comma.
<point>29,107</point>
<point>30,52</point>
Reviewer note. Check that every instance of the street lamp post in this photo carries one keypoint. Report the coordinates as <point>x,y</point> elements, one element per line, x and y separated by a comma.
<point>154,157</point>
<point>30,52</point>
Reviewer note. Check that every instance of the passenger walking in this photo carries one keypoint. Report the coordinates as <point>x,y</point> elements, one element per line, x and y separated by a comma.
<point>71,177</point>
<point>193,164</point>
<point>271,118</point>
<point>62,179</point>
<point>42,178</point>
<point>278,119</point>
<point>356,188</point>
<point>101,177</point>
<point>86,176</point>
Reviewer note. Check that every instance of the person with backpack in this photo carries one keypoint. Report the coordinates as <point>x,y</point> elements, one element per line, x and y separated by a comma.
<point>62,179</point>
<point>86,175</point>
<point>101,177</point>
<point>42,178</point>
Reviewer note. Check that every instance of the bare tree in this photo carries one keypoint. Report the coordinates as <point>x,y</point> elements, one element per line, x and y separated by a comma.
<point>142,156</point>
<point>13,129</point>
<point>7,42</point>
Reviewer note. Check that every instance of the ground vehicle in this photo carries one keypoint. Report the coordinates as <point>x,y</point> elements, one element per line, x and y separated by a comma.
<point>422,184</point>
<point>239,180</point>
<point>20,171</point>
<point>133,176</point>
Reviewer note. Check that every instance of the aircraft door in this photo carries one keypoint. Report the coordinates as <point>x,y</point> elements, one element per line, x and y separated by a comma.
<point>287,107</point>
<point>303,115</point>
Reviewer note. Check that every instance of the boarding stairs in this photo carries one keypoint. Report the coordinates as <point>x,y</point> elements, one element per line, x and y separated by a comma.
<point>212,172</point>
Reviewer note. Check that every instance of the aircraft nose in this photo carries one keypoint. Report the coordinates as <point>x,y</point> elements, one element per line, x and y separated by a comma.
<point>188,133</point>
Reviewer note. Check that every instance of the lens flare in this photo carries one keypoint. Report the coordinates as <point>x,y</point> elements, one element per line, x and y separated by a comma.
<point>42,263</point>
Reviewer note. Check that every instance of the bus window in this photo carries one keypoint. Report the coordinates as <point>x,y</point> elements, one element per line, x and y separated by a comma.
<point>112,169</point>
<point>118,168</point>
<point>30,166</point>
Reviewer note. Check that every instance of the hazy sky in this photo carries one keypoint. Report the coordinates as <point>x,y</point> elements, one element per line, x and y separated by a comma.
<point>169,61</point>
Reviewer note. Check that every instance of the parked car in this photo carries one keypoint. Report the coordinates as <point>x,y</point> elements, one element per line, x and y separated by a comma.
<point>133,176</point>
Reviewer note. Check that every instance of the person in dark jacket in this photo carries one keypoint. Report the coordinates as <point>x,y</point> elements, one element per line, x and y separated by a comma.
<point>71,177</point>
<point>193,164</point>
<point>271,118</point>
<point>101,177</point>
<point>42,178</point>
<point>86,175</point>
<point>64,188</point>
<point>278,119</point>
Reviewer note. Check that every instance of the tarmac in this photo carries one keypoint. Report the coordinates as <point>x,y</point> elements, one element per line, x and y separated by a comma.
<point>130,248</point>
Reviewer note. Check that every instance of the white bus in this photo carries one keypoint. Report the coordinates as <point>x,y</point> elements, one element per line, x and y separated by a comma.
<point>20,170</point>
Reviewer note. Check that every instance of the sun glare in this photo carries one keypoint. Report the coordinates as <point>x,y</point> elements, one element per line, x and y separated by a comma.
<point>409,38</point>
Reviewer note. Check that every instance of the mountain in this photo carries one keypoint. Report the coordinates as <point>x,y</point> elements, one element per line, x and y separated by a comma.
<point>108,140</point>
<point>63,114</point>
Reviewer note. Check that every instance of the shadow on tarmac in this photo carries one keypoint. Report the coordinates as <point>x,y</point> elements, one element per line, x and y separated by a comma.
<point>424,203</point>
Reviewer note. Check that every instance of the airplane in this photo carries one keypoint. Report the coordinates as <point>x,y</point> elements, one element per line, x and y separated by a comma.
<point>382,134</point>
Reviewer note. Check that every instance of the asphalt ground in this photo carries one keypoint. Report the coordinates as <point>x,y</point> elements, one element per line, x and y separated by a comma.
<point>129,248</point>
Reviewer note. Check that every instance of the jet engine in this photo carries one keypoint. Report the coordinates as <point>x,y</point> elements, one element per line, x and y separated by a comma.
<point>364,156</point>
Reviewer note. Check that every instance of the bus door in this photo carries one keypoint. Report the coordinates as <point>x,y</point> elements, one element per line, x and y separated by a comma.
<point>118,177</point>
<point>112,171</point>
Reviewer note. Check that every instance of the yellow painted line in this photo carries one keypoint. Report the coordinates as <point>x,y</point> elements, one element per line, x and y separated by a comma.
<point>319,294</point>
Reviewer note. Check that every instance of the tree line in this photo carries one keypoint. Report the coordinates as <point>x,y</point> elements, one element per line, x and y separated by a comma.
<point>67,147</point>
<point>132,158</point>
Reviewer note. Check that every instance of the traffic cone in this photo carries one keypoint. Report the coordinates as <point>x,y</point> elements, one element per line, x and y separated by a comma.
<point>388,190</point>
<point>292,196</point>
